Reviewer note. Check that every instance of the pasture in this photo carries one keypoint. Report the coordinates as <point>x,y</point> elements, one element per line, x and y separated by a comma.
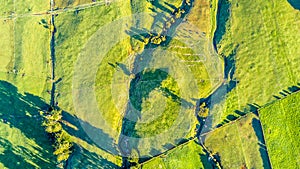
<point>188,156</point>
<point>280,122</point>
<point>239,143</point>
<point>262,38</point>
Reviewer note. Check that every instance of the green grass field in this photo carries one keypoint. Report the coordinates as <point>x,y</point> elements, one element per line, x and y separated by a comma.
<point>188,156</point>
<point>265,35</point>
<point>21,8</point>
<point>110,83</point>
<point>112,80</point>
<point>24,72</point>
<point>72,3</point>
<point>280,121</point>
<point>239,144</point>
<point>25,55</point>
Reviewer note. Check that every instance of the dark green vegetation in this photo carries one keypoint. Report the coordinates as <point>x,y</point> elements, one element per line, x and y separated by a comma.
<point>281,125</point>
<point>295,4</point>
<point>149,83</point>
<point>24,144</point>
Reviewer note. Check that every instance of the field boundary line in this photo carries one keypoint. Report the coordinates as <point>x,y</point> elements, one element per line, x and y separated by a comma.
<point>261,107</point>
<point>167,151</point>
<point>58,11</point>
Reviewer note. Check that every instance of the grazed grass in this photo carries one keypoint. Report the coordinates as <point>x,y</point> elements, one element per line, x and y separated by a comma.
<point>24,55</point>
<point>69,43</point>
<point>189,156</point>
<point>239,143</point>
<point>280,121</point>
<point>73,3</point>
<point>265,35</point>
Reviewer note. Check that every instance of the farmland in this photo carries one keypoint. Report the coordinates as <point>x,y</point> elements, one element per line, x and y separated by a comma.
<point>149,84</point>
<point>112,76</point>
<point>262,37</point>
<point>188,156</point>
<point>239,143</point>
<point>281,128</point>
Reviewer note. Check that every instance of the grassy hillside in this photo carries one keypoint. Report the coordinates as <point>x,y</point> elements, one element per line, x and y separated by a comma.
<point>239,144</point>
<point>24,71</point>
<point>263,39</point>
<point>281,126</point>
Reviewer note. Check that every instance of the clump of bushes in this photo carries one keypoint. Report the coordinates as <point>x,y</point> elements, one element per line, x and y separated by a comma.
<point>203,111</point>
<point>61,140</point>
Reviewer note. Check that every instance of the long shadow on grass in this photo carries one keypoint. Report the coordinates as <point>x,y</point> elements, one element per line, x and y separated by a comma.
<point>138,92</point>
<point>219,95</point>
<point>140,87</point>
<point>263,149</point>
<point>80,129</point>
<point>295,4</point>
<point>82,158</point>
<point>21,111</point>
<point>222,18</point>
<point>15,156</point>
<point>284,93</point>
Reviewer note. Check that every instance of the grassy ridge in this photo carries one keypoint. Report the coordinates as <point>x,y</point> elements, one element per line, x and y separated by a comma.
<point>280,122</point>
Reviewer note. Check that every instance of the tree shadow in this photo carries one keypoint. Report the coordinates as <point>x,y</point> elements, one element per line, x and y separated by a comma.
<point>143,84</point>
<point>21,111</point>
<point>284,93</point>
<point>138,33</point>
<point>230,64</point>
<point>295,4</point>
<point>222,18</point>
<point>206,163</point>
<point>80,129</point>
<point>263,149</point>
<point>83,158</point>
<point>168,93</point>
<point>16,156</point>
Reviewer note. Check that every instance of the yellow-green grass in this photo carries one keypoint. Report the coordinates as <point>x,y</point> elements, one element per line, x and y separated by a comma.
<point>280,122</point>
<point>111,87</point>
<point>201,15</point>
<point>266,37</point>
<point>73,32</point>
<point>72,3</point>
<point>31,6</point>
<point>6,8</point>
<point>25,55</point>
<point>24,83</point>
<point>19,8</point>
<point>188,156</point>
<point>239,143</point>
<point>6,43</point>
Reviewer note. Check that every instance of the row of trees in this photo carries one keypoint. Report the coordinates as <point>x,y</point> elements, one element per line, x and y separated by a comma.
<point>61,139</point>
<point>159,38</point>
